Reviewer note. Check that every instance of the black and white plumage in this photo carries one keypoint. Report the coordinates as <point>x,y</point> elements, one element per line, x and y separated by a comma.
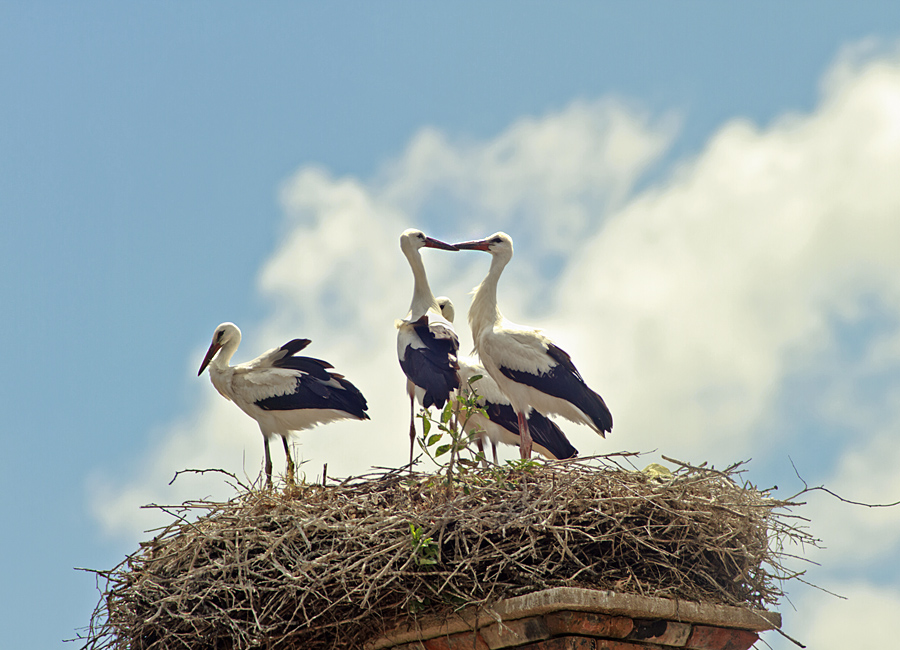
<point>502,424</point>
<point>530,369</point>
<point>427,345</point>
<point>281,391</point>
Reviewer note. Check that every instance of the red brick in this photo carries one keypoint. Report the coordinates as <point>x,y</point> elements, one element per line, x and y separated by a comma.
<point>584,643</point>
<point>588,623</point>
<point>514,633</point>
<point>704,637</point>
<point>460,641</point>
<point>663,632</point>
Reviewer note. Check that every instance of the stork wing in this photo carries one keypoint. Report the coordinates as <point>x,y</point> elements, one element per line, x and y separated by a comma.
<point>427,350</point>
<point>562,380</point>
<point>314,387</point>
<point>271,358</point>
<point>546,433</point>
<point>562,358</point>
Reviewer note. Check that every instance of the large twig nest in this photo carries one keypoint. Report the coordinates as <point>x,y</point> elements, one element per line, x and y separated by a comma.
<point>328,567</point>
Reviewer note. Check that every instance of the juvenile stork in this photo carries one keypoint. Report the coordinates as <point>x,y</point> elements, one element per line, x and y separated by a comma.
<point>531,370</point>
<point>279,390</point>
<point>502,425</point>
<point>427,346</point>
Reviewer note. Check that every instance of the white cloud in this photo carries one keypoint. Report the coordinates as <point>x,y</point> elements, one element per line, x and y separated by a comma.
<point>702,295</point>
<point>863,621</point>
<point>855,535</point>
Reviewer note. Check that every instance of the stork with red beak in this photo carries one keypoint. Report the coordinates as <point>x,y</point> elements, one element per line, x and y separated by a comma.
<point>501,423</point>
<point>281,391</point>
<point>427,345</point>
<point>530,369</point>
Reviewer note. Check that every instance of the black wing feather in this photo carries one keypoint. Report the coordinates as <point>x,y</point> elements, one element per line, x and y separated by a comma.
<point>313,389</point>
<point>294,346</point>
<point>435,367</point>
<point>564,381</point>
<point>315,367</point>
<point>547,433</point>
<point>544,431</point>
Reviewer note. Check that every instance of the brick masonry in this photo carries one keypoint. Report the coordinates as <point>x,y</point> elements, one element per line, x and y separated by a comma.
<point>576,630</point>
<point>564,620</point>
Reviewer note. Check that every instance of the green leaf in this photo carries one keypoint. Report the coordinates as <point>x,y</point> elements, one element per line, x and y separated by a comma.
<point>426,426</point>
<point>474,378</point>
<point>447,413</point>
<point>434,439</point>
<point>443,449</point>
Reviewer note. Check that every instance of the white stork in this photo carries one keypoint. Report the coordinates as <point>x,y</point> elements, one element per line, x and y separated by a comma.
<point>427,346</point>
<point>282,392</point>
<point>502,425</point>
<point>531,370</point>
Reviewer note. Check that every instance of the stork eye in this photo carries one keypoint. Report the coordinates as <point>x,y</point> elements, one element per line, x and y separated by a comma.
<point>496,240</point>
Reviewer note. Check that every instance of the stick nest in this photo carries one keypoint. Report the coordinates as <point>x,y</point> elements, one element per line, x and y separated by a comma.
<point>319,567</point>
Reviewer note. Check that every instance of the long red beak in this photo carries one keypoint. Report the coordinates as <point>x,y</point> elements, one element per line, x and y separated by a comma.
<point>476,245</point>
<point>431,242</point>
<point>213,348</point>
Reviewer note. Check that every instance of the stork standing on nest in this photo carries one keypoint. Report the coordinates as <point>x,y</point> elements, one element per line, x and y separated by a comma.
<point>427,345</point>
<point>502,424</point>
<point>530,369</point>
<point>281,391</point>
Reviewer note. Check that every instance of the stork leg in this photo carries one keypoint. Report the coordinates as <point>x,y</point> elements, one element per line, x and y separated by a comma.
<point>494,449</point>
<point>480,444</point>
<point>412,427</point>
<point>525,436</point>
<point>290,461</point>
<point>268,462</point>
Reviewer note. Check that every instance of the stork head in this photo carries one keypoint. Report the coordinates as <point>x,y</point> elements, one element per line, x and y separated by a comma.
<point>499,245</point>
<point>447,310</point>
<point>225,333</point>
<point>413,240</point>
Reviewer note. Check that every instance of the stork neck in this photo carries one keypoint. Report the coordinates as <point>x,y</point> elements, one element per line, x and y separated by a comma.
<point>222,359</point>
<point>484,312</point>
<point>423,299</point>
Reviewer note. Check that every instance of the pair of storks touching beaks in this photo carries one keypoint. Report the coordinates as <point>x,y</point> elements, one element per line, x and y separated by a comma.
<point>524,374</point>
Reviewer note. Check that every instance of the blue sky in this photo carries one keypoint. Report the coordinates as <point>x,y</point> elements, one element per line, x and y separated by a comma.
<point>700,195</point>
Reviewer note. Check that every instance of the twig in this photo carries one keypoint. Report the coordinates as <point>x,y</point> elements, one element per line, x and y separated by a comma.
<point>204,471</point>
<point>806,489</point>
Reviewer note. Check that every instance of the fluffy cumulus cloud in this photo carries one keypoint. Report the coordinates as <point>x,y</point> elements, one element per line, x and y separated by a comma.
<point>705,292</point>
<point>860,619</point>
<point>693,305</point>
